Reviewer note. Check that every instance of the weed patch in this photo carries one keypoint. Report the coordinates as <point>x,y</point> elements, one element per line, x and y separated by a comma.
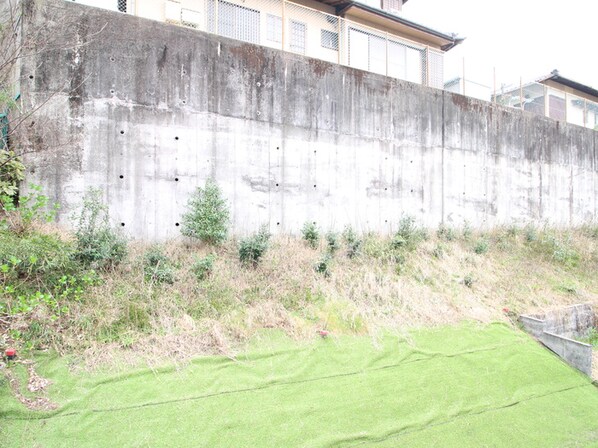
<point>157,267</point>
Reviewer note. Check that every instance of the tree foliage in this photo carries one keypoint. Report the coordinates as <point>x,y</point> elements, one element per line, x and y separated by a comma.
<point>208,215</point>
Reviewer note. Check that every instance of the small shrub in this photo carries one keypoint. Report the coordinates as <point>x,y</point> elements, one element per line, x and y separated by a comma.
<point>332,242</point>
<point>531,234</point>
<point>202,267</point>
<point>512,231</point>
<point>157,267</point>
<point>438,252</point>
<point>19,217</point>
<point>311,234</point>
<point>207,216</point>
<point>408,235</point>
<point>353,243</point>
<point>323,265</point>
<point>98,245</point>
<point>481,247</point>
<point>445,233</point>
<point>466,231</point>
<point>12,171</point>
<point>253,248</point>
<point>468,281</point>
<point>40,270</point>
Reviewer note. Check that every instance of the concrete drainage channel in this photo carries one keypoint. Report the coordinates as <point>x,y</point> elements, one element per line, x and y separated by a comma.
<point>559,329</point>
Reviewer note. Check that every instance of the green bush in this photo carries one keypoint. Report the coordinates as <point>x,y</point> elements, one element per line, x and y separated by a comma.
<point>19,216</point>
<point>468,281</point>
<point>445,233</point>
<point>207,217</point>
<point>438,251</point>
<point>332,242</point>
<point>253,248</point>
<point>408,236</point>
<point>11,173</point>
<point>202,267</point>
<point>352,241</point>
<point>35,258</point>
<point>531,234</point>
<point>157,267</point>
<point>323,265</point>
<point>38,269</point>
<point>481,247</point>
<point>98,245</point>
<point>311,234</point>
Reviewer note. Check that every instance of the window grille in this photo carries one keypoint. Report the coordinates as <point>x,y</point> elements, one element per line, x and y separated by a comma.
<point>329,39</point>
<point>298,36</point>
<point>234,21</point>
<point>122,5</point>
<point>274,28</point>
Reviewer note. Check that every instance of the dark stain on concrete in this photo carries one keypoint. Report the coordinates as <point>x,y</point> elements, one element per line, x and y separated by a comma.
<point>259,183</point>
<point>253,55</point>
<point>320,68</point>
<point>162,59</point>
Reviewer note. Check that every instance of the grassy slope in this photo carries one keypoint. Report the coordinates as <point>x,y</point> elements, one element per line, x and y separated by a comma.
<point>128,318</point>
<point>453,386</point>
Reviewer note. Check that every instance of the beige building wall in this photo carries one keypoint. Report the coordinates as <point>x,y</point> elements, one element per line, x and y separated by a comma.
<point>310,28</point>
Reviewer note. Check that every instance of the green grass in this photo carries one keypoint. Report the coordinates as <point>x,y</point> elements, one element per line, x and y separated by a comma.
<point>451,387</point>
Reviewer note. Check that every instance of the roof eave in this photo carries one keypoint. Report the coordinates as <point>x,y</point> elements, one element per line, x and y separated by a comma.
<point>556,77</point>
<point>451,40</point>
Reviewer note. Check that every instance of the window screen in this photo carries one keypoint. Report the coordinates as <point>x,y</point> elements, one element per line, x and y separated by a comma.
<point>274,28</point>
<point>298,36</point>
<point>329,39</point>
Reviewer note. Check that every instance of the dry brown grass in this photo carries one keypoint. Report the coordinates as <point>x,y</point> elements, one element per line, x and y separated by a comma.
<point>128,319</point>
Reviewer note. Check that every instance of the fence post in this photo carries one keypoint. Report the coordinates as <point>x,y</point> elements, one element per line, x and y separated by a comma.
<point>463,77</point>
<point>585,113</point>
<point>339,39</point>
<point>386,48</point>
<point>546,102</point>
<point>284,24</point>
<point>521,93</point>
<point>216,17</point>
<point>427,66</point>
<point>494,87</point>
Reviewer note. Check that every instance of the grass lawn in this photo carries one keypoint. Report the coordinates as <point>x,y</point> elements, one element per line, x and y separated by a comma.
<point>465,386</point>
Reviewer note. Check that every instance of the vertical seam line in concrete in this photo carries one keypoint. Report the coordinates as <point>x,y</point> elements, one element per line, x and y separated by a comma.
<point>570,180</point>
<point>442,158</point>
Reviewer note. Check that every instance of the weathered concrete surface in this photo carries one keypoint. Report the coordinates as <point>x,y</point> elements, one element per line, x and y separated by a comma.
<point>575,353</point>
<point>149,111</point>
<point>571,321</point>
<point>555,329</point>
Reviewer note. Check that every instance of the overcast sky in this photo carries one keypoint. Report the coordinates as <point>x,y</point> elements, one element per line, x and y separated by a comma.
<point>527,38</point>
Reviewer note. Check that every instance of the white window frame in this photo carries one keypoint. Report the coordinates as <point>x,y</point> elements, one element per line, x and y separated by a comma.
<point>274,28</point>
<point>294,45</point>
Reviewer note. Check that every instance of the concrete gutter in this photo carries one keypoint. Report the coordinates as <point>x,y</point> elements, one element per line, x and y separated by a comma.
<point>552,330</point>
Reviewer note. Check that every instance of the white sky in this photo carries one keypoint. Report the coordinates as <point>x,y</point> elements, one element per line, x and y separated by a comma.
<point>527,38</point>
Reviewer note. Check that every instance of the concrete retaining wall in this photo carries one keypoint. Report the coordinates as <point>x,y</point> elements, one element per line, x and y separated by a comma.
<point>556,328</point>
<point>147,111</point>
<point>575,353</point>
